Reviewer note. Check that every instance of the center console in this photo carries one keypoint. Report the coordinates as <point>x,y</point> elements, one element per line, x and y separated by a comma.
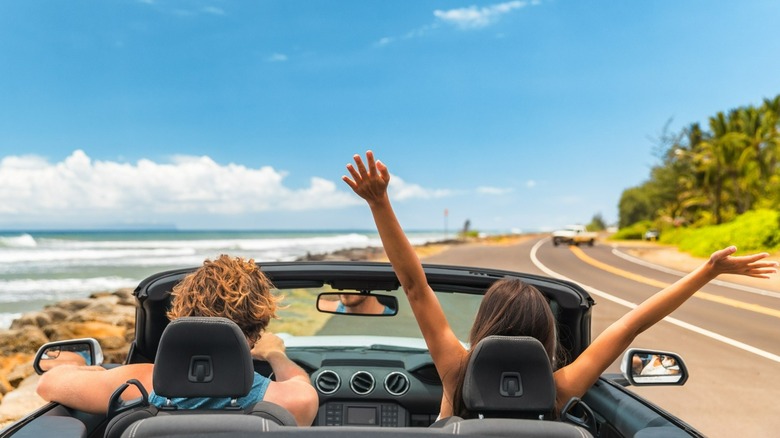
<point>362,414</point>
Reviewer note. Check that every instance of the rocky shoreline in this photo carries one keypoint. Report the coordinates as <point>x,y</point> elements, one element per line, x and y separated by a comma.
<point>108,317</point>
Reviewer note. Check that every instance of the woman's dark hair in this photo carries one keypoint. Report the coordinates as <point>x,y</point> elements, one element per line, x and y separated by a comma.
<point>510,307</point>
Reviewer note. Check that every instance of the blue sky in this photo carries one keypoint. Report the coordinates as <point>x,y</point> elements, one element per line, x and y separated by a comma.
<point>523,115</point>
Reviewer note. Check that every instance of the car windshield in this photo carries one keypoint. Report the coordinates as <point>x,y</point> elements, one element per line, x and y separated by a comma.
<point>299,317</point>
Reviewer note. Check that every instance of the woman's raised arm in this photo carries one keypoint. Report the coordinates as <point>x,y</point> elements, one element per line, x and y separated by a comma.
<point>369,181</point>
<point>574,379</point>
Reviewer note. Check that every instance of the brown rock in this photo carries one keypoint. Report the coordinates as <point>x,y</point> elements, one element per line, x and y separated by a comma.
<point>73,306</point>
<point>87,329</point>
<point>109,317</point>
<point>103,306</point>
<point>113,314</point>
<point>56,314</point>
<point>21,401</point>
<point>11,368</point>
<point>21,372</point>
<point>35,319</point>
<point>26,339</point>
<point>102,294</point>
<point>125,293</point>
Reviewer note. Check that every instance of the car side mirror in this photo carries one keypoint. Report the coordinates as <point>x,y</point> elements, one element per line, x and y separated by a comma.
<point>650,367</point>
<point>357,303</point>
<point>84,351</point>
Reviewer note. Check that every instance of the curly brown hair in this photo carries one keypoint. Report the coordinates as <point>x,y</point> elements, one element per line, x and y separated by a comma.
<point>230,287</point>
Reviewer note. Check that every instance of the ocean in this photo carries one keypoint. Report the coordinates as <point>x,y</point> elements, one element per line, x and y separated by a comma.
<point>39,268</point>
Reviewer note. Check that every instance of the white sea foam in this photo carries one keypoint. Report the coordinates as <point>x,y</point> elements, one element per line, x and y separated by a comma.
<point>20,241</point>
<point>55,252</point>
<point>7,318</point>
<point>78,255</point>
<point>12,291</point>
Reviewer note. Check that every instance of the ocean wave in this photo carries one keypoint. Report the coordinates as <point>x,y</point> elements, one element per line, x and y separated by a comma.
<point>78,255</point>
<point>20,241</point>
<point>246,243</point>
<point>14,291</point>
<point>60,252</point>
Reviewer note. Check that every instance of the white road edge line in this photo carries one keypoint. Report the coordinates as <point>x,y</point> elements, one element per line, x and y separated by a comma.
<point>696,329</point>
<point>741,287</point>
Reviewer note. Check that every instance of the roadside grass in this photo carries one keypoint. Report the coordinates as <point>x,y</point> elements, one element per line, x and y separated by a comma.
<point>754,231</point>
<point>632,232</point>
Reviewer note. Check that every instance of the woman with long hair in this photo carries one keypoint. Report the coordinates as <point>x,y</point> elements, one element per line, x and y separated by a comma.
<point>513,308</point>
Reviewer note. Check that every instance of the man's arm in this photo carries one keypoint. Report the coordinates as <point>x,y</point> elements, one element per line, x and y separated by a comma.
<point>292,389</point>
<point>89,388</point>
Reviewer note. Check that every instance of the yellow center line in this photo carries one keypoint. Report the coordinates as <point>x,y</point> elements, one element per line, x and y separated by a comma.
<point>660,284</point>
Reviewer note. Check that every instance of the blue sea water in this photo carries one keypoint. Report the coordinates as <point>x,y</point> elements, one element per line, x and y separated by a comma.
<point>38,268</point>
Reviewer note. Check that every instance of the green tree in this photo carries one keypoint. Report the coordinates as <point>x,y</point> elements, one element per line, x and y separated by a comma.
<point>712,176</point>
<point>635,205</point>
<point>597,223</point>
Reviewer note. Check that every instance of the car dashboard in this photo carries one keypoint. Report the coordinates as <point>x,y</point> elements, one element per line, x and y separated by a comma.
<point>370,387</point>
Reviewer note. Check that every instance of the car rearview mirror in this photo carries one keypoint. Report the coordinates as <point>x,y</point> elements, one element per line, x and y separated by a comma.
<point>357,303</point>
<point>84,351</point>
<point>650,367</point>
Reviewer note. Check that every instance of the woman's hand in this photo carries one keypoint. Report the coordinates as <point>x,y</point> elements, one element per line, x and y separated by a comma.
<point>368,181</point>
<point>722,262</point>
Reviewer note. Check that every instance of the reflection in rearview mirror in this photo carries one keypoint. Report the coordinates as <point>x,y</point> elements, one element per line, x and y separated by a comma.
<point>72,352</point>
<point>647,367</point>
<point>354,303</point>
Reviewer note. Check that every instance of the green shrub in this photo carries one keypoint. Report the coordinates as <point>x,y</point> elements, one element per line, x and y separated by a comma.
<point>633,232</point>
<point>757,230</point>
<point>468,234</point>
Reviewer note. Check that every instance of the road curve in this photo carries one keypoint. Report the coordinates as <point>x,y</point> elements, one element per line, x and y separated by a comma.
<point>729,335</point>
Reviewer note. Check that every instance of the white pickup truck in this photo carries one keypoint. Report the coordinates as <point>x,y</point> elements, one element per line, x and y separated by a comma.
<point>574,235</point>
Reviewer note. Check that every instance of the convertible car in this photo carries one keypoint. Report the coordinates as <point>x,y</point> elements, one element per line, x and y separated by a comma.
<point>370,365</point>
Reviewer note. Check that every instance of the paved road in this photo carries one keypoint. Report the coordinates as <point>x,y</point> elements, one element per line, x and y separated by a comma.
<point>728,336</point>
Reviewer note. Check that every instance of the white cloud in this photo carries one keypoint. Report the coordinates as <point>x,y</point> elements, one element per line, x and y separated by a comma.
<point>183,9</point>
<point>493,190</point>
<point>401,190</point>
<point>474,17</point>
<point>530,183</point>
<point>385,41</point>
<point>79,188</point>
<point>416,33</point>
<point>471,17</point>
<point>213,10</point>
<point>277,57</point>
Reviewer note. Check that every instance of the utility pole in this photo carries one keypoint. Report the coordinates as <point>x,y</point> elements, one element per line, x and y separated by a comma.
<point>446,213</point>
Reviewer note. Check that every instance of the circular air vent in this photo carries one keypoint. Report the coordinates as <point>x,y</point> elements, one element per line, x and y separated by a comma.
<point>397,383</point>
<point>362,382</point>
<point>327,382</point>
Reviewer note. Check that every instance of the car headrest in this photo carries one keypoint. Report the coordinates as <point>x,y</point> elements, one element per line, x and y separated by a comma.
<point>509,377</point>
<point>203,357</point>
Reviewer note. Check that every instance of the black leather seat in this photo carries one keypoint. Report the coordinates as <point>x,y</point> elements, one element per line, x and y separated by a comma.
<point>201,357</point>
<point>252,427</point>
<point>509,377</point>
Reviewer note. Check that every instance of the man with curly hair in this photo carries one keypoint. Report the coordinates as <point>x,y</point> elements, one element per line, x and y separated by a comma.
<point>227,287</point>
